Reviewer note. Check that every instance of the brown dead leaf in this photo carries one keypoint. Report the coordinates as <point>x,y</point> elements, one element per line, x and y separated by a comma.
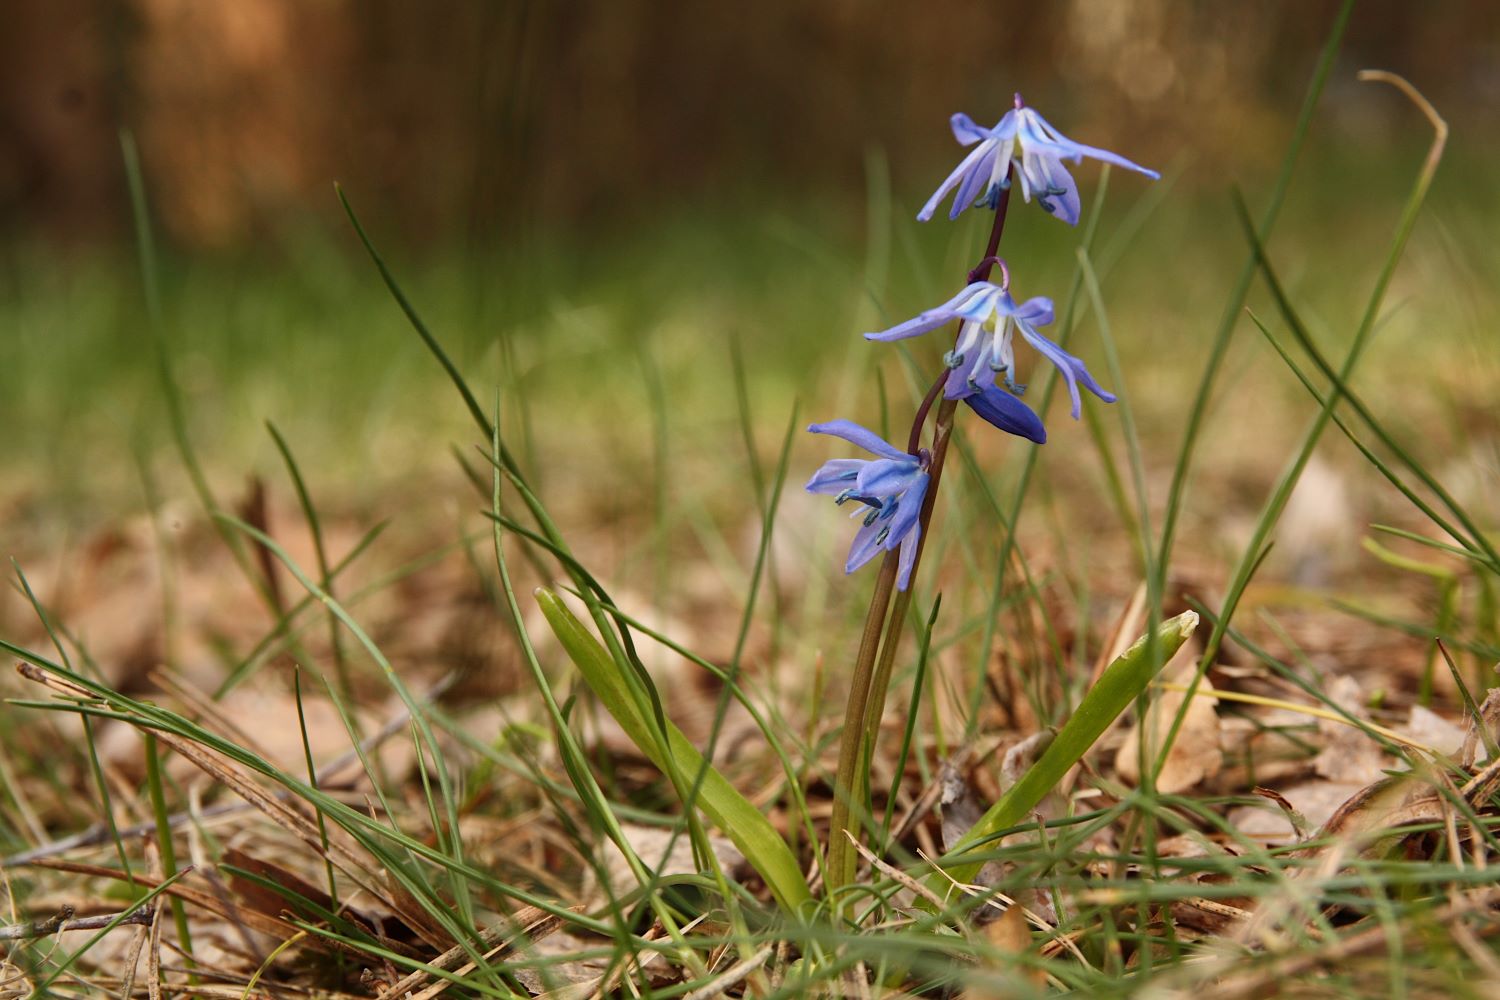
<point>1382,808</point>
<point>1211,915</point>
<point>1010,938</point>
<point>660,852</point>
<point>1197,753</point>
<point>1430,729</point>
<point>961,809</point>
<point>1317,531</point>
<point>262,898</point>
<point>195,897</point>
<point>1019,758</point>
<point>1349,756</point>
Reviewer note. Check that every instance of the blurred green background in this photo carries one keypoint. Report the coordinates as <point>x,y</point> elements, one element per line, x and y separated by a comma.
<point>587,200</point>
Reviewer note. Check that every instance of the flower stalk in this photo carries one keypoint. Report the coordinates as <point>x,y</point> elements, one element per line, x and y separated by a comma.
<point>882,631</point>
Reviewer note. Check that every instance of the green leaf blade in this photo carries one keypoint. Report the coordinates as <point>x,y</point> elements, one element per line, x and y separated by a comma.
<point>739,820</point>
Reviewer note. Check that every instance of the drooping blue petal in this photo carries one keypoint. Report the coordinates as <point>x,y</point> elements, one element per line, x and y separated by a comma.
<point>966,130</point>
<point>1008,413</point>
<point>1054,188</point>
<point>908,556</point>
<point>836,476</point>
<point>1092,386</point>
<point>855,434</point>
<point>976,182</point>
<point>865,546</point>
<point>932,318</point>
<point>1036,310</point>
<point>908,510</point>
<point>1072,369</point>
<point>953,179</point>
<point>1036,132</point>
<point>889,476</point>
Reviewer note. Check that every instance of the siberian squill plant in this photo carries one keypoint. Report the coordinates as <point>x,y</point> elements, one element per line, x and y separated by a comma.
<point>893,494</point>
<point>889,491</point>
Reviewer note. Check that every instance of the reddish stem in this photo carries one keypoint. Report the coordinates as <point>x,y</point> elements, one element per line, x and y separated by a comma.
<point>914,441</point>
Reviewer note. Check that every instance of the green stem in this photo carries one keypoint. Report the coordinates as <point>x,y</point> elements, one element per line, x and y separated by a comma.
<point>875,707</point>
<point>867,689</point>
<point>154,786</point>
<point>842,859</point>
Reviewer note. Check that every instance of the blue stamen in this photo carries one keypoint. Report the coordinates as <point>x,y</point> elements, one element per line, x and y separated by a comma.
<point>851,495</point>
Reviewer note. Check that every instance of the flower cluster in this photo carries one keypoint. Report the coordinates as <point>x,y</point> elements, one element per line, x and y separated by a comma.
<point>889,492</point>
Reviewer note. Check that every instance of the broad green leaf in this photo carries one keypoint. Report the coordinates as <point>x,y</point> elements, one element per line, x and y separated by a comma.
<point>1122,683</point>
<point>725,807</point>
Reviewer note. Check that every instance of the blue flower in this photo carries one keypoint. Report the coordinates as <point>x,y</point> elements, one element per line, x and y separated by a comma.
<point>1037,149</point>
<point>887,491</point>
<point>984,348</point>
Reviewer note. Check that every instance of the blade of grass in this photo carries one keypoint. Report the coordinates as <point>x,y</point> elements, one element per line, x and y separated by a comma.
<point>1471,706</point>
<point>164,842</point>
<point>575,761</point>
<point>1282,492</point>
<point>282,627</point>
<point>449,838</point>
<point>412,316</point>
<point>312,780</point>
<point>661,468</point>
<point>1141,516</point>
<point>1476,540</point>
<point>1380,464</point>
<point>171,392</point>
<point>368,832</point>
<point>1432,543</point>
<point>1227,321</point>
<point>320,550</point>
